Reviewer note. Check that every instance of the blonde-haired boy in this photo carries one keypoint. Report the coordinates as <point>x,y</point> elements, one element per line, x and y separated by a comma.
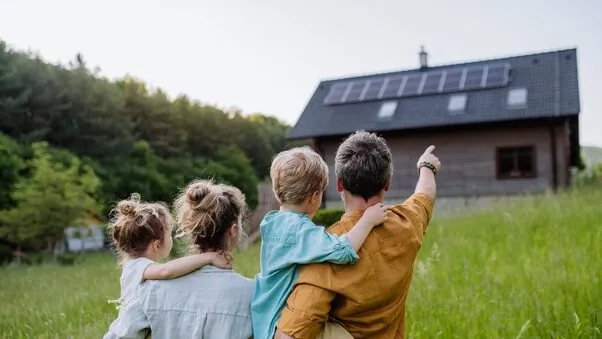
<point>289,237</point>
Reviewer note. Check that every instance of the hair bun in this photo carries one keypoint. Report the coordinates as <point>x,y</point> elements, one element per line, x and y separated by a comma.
<point>128,207</point>
<point>203,195</point>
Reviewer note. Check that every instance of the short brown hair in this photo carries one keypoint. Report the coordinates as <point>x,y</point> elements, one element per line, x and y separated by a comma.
<point>205,212</point>
<point>136,224</point>
<point>363,164</point>
<point>298,173</point>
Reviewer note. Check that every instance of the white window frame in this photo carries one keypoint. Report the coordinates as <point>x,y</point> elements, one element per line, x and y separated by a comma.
<point>517,97</point>
<point>387,110</point>
<point>457,103</point>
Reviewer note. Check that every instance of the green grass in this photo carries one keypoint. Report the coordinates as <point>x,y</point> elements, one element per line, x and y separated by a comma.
<point>528,270</point>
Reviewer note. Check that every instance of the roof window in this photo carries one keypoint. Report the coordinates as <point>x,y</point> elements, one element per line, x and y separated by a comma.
<point>457,103</point>
<point>517,98</point>
<point>387,109</point>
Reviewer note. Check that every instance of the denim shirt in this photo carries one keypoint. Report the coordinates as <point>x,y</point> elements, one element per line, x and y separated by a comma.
<point>289,239</point>
<point>208,303</point>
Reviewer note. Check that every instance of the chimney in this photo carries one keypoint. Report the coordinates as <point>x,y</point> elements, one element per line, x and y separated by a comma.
<point>423,56</point>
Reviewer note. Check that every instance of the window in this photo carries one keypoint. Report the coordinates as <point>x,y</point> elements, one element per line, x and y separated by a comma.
<point>516,162</point>
<point>457,103</point>
<point>387,109</point>
<point>517,98</point>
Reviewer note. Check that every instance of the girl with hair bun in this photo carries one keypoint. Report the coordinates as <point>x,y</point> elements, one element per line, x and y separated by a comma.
<point>141,234</point>
<point>210,216</point>
<point>211,302</point>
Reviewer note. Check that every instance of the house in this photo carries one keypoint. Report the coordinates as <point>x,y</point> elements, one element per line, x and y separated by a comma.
<point>501,127</point>
<point>84,238</point>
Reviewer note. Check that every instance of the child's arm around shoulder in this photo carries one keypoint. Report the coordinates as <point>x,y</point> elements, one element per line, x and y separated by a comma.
<point>313,244</point>
<point>182,266</point>
<point>372,216</point>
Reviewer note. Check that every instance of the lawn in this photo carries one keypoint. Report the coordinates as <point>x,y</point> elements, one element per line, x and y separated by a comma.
<point>527,270</point>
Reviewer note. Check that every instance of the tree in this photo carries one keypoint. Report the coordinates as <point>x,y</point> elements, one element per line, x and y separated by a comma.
<point>10,165</point>
<point>235,169</point>
<point>54,197</point>
<point>134,137</point>
<point>137,173</point>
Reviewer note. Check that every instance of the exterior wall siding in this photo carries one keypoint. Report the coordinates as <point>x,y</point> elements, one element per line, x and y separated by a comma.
<point>469,160</point>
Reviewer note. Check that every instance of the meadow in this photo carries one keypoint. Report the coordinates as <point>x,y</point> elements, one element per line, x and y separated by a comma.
<point>528,269</point>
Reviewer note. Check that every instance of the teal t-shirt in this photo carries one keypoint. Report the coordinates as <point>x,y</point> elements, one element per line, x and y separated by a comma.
<point>289,239</point>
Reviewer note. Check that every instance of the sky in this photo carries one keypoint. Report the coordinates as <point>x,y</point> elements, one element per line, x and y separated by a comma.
<point>268,56</point>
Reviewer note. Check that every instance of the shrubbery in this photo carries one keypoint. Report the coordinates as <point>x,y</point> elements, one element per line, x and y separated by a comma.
<point>589,176</point>
<point>328,217</point>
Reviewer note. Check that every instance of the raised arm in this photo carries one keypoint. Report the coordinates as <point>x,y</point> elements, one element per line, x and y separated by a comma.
<point>419,207</point>
<point>182,266</point>
<point>428,165</point>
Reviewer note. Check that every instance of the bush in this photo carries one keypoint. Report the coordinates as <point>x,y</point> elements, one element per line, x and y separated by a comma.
<point>6,254</point>
<point>66,259</point>
<point>34,259</point>
<point>589,176</point>
<point>328,217</point>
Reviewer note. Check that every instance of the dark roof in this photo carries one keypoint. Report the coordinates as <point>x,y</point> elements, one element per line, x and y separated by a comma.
<point>550,79</point>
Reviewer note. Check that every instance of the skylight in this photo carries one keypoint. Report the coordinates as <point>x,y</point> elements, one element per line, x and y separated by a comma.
<point>517,97</point>
<point>387,109</point>
<point>457,103</point>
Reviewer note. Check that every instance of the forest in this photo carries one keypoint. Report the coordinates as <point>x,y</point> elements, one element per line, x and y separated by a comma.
<point>73,142</point>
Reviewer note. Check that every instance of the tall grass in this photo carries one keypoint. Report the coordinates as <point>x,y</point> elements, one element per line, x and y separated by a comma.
<point>528,270</point>
<point>58,301</point>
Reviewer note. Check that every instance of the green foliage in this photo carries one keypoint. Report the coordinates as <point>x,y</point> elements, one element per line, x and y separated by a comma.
<point>525,270</point>
<point>66,259</point>
<point>11,164</point>
<point>55,196</point>
<point>6,253</point>
<point>33,259</point>
<point>589,176</point>
<point>328,217</point>
<point>179,249</point>
<point>591,155</point>
<point>134,137</point>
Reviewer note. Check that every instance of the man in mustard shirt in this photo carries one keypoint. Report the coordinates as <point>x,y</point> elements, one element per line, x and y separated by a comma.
<point>367,298</point>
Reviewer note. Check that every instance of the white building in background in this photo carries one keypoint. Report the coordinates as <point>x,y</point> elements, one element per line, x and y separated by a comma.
<point>84,238</point>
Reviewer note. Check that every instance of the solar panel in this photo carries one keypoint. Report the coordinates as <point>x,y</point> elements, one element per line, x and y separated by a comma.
<point>452,80</point>
<point>355,91</point>
<point>474,77</point>
<point>412,85</point>
<point>336,93</point>
<point>373,89</point>
<point>392,87</point>
<point>420,83</point>
<point>497,75</point>
<point>431,85</point>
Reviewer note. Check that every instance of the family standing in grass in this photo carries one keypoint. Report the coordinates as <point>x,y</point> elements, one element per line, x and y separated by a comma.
<point>348,281</point>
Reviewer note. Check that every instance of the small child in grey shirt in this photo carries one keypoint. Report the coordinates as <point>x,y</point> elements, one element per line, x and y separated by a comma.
<point>141,233</point>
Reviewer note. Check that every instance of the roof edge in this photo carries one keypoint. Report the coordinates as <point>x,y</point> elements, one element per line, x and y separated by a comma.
<point>435,127</point>
<point>385,73</point>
